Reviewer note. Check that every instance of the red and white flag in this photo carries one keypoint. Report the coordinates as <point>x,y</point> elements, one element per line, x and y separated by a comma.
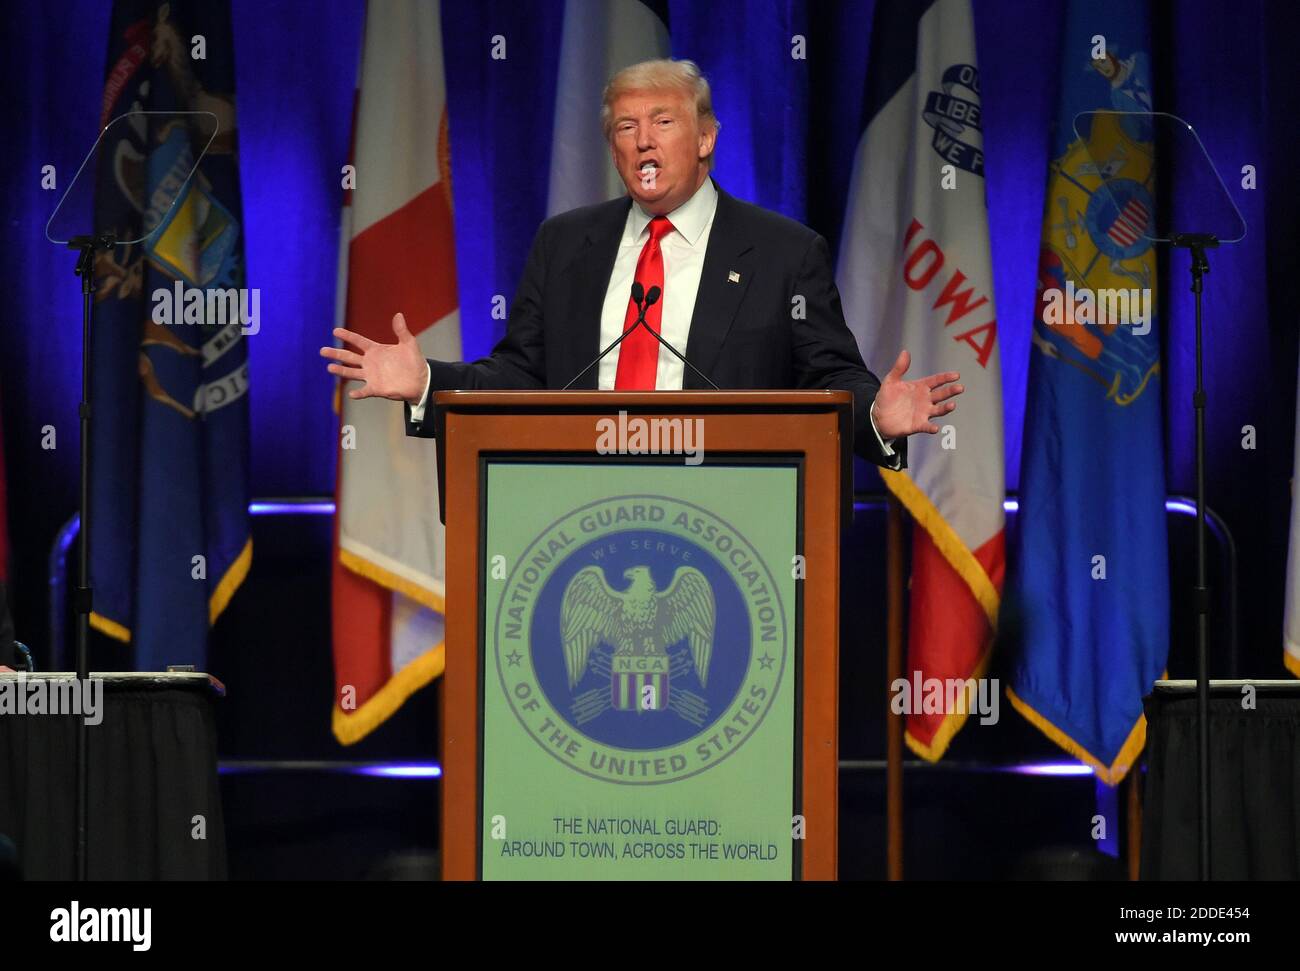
<point>399,255</point>
<point>915,272</point>
<point>1291,618</point>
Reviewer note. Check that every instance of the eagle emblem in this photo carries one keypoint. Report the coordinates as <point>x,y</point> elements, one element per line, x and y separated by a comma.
<point>640,624</point>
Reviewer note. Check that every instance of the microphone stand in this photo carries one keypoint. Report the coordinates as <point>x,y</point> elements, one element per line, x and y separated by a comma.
<point>86,246</point>
<point>642,305</point>
<point>644,301</point>
<point>1198,243</point>
<point>651,298</point>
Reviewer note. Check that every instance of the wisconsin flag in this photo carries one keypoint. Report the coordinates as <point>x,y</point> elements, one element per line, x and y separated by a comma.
<point>400,256</point>
<point>915,272</point>
<point>601,37</point>
<point>1092,569</point>
<point>169,529</point>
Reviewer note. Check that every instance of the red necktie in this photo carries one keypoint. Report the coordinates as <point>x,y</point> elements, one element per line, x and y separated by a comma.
<point>638,355</point>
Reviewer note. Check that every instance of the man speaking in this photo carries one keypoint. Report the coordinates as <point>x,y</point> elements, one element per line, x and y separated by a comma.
<point>745,295</point>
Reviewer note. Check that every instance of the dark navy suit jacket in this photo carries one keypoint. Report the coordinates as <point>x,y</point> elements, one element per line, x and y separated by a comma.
<point>744,335</point>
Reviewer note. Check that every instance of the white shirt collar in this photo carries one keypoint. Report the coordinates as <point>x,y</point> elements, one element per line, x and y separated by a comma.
<point>689,219</point>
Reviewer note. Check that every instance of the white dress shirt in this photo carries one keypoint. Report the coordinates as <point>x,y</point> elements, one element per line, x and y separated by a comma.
<point>683,254</point>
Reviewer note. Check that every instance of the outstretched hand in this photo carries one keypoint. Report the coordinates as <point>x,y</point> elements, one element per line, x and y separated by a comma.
<point>903,407</point>
<point>395,371</point>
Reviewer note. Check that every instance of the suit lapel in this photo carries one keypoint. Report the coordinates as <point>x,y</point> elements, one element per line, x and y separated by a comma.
<point>728,268</point>
<point>589,273</point>
<point>729,254</point>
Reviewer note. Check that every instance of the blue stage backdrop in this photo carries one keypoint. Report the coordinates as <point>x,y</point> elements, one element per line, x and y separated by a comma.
<point>789,129</point>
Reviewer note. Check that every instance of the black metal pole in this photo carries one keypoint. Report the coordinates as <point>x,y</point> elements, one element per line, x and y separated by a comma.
<point>1202,589</point>
<point>1197,243</point>
<point>82,600</point>
<point>85,269</point>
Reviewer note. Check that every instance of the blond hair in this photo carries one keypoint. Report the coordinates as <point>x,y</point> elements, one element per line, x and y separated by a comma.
<point>661,75</point>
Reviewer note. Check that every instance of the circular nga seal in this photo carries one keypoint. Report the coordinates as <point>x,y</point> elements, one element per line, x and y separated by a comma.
<point>640,639</point>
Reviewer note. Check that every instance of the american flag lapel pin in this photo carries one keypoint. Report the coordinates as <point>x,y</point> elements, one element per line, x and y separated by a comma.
<point>733,277</point>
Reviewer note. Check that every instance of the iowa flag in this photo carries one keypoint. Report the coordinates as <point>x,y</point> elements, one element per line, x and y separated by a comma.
<point>1092,565</point>
<point>915,272</point>
<point>169,531</point>
<point>400,256</point>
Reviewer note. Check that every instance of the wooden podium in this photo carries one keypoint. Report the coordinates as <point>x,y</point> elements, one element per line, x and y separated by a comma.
<point>642,632</point>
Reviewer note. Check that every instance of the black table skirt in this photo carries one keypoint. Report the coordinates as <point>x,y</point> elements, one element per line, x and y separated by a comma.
<point>153,789</point>
<point>1254,786</point>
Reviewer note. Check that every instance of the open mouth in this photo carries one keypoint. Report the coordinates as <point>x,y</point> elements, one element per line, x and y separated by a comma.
<point>649,168</point>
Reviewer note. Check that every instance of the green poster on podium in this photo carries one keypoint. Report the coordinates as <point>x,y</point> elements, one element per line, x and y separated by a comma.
<point>639,659</point>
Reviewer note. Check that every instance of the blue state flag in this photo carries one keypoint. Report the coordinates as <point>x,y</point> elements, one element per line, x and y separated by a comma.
<point>1091,574</point>
<point>169,529</point>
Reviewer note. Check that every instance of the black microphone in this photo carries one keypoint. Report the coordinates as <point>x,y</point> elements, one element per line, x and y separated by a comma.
<point>638,298</point>
<point>639,295</point>
<point>650,299</point>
